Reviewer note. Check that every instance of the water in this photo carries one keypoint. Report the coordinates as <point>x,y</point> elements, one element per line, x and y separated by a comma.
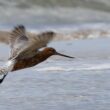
<point>42,12</point>
<point>60,83</point>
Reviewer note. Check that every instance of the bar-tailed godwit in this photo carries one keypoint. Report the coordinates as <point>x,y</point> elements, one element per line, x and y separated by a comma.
<point>25,50</point>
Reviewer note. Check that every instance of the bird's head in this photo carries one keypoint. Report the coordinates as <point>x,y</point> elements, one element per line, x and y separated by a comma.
<point>51,51</point>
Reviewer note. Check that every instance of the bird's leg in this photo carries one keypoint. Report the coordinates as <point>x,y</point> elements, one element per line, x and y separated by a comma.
<point>2,79</point>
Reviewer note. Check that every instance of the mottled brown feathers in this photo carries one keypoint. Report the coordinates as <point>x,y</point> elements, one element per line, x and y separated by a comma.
<point>29,62</point>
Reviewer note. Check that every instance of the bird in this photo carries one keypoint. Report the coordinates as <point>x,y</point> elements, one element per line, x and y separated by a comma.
<point>25,50</point>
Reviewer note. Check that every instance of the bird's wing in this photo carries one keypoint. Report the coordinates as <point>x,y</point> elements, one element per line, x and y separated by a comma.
<point>24,45</point>
<point>17,35</point>
<point>35,43</point>
<point>42,39</point>
<point>18,40</point>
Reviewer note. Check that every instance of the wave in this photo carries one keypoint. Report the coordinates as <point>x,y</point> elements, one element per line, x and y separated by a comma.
<point>93,67</point>
<point>82,31</point>
<point>68,32</point>
<point>86,34</point>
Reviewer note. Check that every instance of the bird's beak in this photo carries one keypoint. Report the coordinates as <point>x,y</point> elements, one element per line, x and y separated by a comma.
<point>63,55</point>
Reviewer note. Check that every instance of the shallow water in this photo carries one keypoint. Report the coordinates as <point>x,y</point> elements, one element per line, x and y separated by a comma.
<point>60,83</point>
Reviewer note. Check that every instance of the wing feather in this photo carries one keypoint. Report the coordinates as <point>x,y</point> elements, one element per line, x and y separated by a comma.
<point>24,45</point>
<point>18,40</point>
<point>42,39</point>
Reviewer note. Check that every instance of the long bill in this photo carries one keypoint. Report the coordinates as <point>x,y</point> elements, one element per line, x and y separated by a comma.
<point>63,55</point>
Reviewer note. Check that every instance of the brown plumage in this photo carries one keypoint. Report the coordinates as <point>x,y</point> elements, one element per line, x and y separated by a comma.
<point>38,58</point>
<point>25,50</point>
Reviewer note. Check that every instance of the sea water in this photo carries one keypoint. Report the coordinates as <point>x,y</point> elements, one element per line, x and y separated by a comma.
<point>60,83</point>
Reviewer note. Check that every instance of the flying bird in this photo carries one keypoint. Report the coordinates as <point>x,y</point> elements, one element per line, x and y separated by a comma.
<point>25,50</point>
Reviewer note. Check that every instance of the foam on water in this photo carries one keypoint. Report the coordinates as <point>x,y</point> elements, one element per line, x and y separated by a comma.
<point>86,67</point>
<point>69,32</point>
<point>82,31</point>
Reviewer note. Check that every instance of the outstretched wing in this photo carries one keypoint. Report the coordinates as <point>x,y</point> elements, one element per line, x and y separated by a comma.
<point>25,45</point>
<point>18,40</point>
<point>42,39</point>
<point>35,43</point>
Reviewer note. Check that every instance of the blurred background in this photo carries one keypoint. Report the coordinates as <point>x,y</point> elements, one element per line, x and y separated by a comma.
<point>53,12</point>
